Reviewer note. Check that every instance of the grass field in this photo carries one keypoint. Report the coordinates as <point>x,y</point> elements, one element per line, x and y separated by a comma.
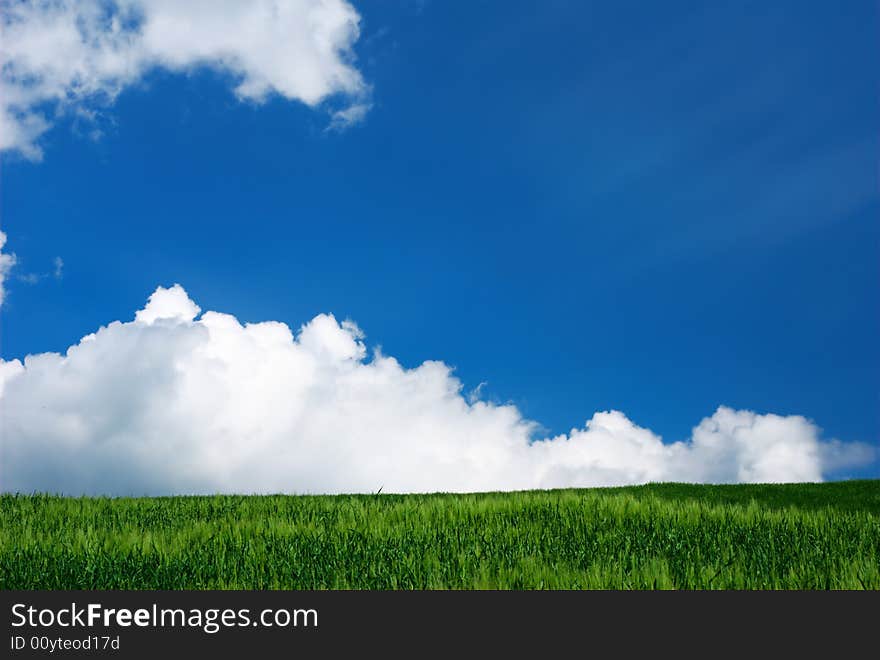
<point>799,536</point>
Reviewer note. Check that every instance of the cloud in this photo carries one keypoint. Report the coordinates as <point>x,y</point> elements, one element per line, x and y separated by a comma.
<point>31,278</point>
<point>174,402</point>
<point>67,56</point>
<point>7,261</point>
<point>349,116</point>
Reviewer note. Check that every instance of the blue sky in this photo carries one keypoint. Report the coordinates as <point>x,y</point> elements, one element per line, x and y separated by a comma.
<point>657,208</point>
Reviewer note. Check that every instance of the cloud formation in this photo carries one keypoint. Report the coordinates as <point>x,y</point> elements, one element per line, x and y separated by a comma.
<point>7,261</point>
<point>173,402</point>
<point>69,56</point>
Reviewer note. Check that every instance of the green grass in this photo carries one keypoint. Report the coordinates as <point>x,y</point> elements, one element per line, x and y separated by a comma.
<point>800,536</point>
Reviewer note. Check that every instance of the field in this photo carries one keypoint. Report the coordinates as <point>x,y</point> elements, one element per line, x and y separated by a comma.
<point>799,536</point>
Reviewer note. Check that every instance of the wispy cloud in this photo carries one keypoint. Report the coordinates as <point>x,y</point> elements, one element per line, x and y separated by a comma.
<point>31,278</point>
<point>343,119</point>
<point>7,261</point>
<point>57,273</point>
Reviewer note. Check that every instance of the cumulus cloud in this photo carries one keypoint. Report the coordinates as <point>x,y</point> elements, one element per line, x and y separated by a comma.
<point>7,261</point>
<point>68,55</point>
<point>174,402</point>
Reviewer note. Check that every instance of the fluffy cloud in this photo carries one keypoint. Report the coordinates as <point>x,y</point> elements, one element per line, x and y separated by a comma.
<point>174,402</point>
<point>67,55</point>
<point>7,261</point>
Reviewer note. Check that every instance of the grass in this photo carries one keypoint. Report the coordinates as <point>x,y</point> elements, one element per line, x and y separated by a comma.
<point>661,536</point>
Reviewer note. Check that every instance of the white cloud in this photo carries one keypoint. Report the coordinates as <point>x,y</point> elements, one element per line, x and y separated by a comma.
<point>349,116</point>
<point>176,403</point>
<point>168,304</point>
<point>7,261</point>
<point>30,278</point>
<point>67,55</point>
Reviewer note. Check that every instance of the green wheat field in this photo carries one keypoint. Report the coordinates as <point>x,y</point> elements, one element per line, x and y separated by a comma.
<point>662,536</point>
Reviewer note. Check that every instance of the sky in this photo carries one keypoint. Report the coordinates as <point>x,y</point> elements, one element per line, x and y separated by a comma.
<point>633,241</point>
